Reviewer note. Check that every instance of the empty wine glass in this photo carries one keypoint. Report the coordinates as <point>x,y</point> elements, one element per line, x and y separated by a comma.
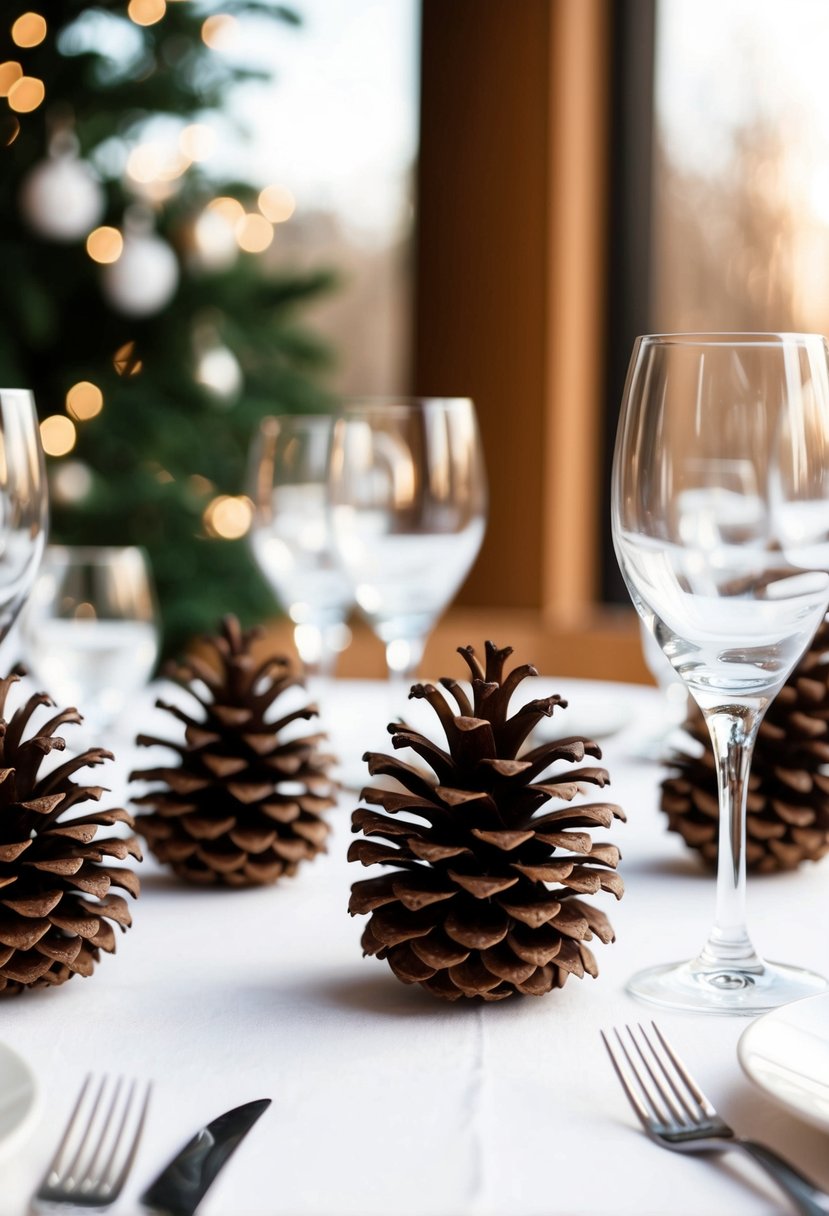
<point>721,526</point>
<point>89,631</point>
<point>290,536</point>
<point>408,499</point>
<point>23,502</point>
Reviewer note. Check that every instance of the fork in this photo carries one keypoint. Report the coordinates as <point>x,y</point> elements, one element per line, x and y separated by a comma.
<point>96,1152</point>
<point>676,1114</point>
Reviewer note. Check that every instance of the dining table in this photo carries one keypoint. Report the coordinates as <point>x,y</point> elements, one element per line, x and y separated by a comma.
<point>386,1100</point>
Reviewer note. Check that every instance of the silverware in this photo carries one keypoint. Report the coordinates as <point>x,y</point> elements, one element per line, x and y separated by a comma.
<point>676,1114</point>
<point>94,1157</point>
<point>181,1185</point>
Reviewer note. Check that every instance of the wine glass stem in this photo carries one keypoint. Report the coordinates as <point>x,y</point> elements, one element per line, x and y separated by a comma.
<point>403,657</point>
<point>733,731</point>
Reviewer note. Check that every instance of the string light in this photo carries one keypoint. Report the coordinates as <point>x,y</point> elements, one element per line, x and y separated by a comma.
<point>227,517</point>
<point>277,204</point>
<point>219,31</point>
<point>146,12</point>
<point>57,435</point>
<point>10,73</point>
<point>29,30</point>
<point>84,401</point>
<point>105,245</point>
<point>125,361</point>
<point>26,94</point>
<point>197,141</point>
<point>253,233</point>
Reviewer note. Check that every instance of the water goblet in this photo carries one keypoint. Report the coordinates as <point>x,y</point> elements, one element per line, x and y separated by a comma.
<point>89,631</point>
<point>23,502</point>
<point>720,517</point>
<point>408,501</point>
<point>291,538</point>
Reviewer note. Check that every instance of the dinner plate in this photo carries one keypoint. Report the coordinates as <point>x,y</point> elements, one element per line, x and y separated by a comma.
<point>786,1053</point>
<point>17,1093</point>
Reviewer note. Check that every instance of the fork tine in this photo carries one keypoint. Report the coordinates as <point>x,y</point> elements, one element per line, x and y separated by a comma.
<point>67,1176</point>
<point>646,1114</point>
<point>664,1094</point>
<point>117,1183</point>
<point>53,1170</point>
<point>89,1176</point>
<point>705,1105</point>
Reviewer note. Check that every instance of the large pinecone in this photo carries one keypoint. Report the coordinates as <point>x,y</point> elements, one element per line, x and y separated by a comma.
<point>787,814</point>
<point>243,805</point>
<point>483,897</point>
<point>56,897</point>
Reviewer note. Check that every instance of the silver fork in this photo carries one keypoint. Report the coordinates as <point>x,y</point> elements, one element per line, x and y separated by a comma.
<point>96,1152</point>
<point>675,1112</point>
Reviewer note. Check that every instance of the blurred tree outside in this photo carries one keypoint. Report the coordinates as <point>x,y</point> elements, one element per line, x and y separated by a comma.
<point>135,300</point>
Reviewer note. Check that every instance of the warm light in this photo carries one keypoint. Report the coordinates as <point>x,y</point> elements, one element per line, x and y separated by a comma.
<point>230,209</point>
<point>29,30</point>
<point>105,245</point>
<point>9,130</point>
<point>26,94</point>
<point>277,204</point>
<point>10,73</point>
<point>57,434</point>
<point>125,361</point>
<point>71,482</point>
<point>197,141</point>
<point>219,32</point>
<point>254,233</point>
<point>227,517</point>
<point>144,162</point>
<point>146,12</point>
<point>84,400</point>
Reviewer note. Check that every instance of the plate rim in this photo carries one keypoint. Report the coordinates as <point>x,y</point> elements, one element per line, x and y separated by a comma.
<point>810,1116</point>
<point>8,1138</point>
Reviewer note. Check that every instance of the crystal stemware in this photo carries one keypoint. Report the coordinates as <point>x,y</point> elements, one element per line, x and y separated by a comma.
<point>291,538</point>
<point>408,501</point>
<point>720,514</point>
<point>89,631</point>
<point>23,502</point>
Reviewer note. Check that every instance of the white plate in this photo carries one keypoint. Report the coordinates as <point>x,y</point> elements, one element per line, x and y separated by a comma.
<point>786,1053</point>
<point>17,1093</point>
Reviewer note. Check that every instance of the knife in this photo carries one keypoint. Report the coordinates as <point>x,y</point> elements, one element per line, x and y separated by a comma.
<point>180,1187</point>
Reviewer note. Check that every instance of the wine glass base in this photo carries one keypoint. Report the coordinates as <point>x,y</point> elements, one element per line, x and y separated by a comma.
<point>696,988</point>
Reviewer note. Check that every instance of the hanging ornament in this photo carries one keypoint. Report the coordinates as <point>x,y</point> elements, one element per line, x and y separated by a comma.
<point>144,278</point>
<point>217,368</point>
<point>61,198</point>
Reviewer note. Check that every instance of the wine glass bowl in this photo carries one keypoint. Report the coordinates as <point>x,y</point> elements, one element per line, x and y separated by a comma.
<point>721,528</point>
<point>408,497</point>
<point>23,502</point>
<point>290,535</point>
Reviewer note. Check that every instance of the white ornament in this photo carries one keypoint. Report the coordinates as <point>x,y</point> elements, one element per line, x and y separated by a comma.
<point>144,278</point>
<point>61,198</point>
<point>218,371</point>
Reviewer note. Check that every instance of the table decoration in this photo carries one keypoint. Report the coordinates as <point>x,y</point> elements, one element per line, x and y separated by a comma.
<point>787,808</point>
<point>243,803</point>
<point>483,898</point>
<point>57,898</point>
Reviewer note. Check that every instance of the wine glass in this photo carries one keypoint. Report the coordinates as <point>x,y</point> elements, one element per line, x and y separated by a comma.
<point>720,514</point>
<point>23,502</point>
<point>89,630</point>
<point>408,500</point>
<point>290,535</point>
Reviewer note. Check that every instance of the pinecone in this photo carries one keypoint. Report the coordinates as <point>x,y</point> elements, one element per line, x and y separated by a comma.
<point>787,813</point>
<point>56,898</point>
<point>243,804</point>
<point>483,898</point>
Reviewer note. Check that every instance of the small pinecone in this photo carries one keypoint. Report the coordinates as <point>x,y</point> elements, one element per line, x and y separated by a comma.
<point>483,898</point>
<point>56,898</point>
<point>243,805</point>
<point>787,814</point>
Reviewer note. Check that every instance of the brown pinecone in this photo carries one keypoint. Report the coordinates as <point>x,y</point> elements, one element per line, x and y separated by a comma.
<point>243,805</point>
<point>483,898</point>
<point>787,813</point>
<point>56,898</point>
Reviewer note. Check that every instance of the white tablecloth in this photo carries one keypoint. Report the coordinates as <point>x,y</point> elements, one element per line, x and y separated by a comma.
<point>386,1101</point>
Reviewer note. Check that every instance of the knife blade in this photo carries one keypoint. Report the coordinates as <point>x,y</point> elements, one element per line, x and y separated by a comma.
<point>182,1184</point>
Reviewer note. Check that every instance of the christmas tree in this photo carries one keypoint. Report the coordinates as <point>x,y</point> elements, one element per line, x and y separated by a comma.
<point>136,299</point>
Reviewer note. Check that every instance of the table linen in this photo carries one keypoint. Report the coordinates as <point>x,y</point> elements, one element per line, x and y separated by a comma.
<point>386,1101</point>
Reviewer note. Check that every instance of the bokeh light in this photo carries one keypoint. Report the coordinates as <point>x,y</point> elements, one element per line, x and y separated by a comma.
<point>26,94</point>
<point>10,73</point>
<point>254,233</point>
<point>146,12</point>
<point>29,30</point>
<point>228,517</point>
<point>84,400</point>
<point>197,141</point>
<point>105,245</point>
<point>57,434</point>
<point>277,204</point>
<point>220,31</point>
<point>125,360</point>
